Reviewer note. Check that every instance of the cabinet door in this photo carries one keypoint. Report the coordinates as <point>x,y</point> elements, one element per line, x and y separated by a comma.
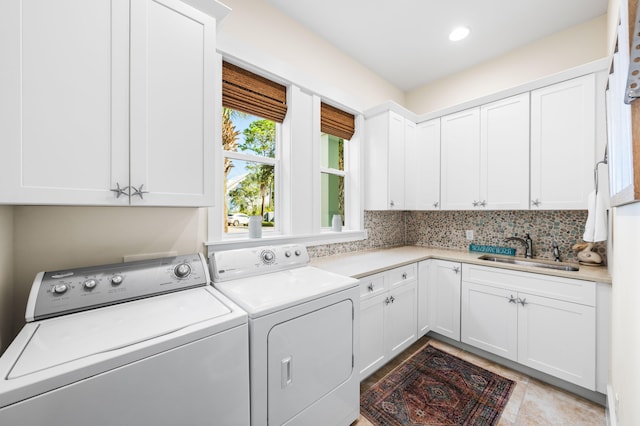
<point>563,128</point>
<point>372,347</point>
<point>558,338</point>
<point>460,145</point>
<point>376,160</point>
<point>422,168</point>
<point>64,103</point>
<point>444,290</point>
<point>424,297</point>
<point>397,133</point>
<point>401,318</point>
<point>489,319</point>
<point>173,81</point>
<point>504,147</point>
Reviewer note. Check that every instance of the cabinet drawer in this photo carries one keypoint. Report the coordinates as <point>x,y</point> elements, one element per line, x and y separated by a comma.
<point>401,275</point>
<point>372,285</point>
<point>559,288</point>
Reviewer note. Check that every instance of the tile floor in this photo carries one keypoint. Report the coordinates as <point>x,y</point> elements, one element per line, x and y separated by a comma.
<point>531,403</point>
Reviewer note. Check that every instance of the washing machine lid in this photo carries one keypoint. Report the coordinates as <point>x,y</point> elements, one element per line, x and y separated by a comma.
<point>267,293</point>
<point>71,337</point>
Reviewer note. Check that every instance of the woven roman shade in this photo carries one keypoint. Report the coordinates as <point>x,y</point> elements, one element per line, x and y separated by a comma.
<point>336,122</point>
<point>248,92</point>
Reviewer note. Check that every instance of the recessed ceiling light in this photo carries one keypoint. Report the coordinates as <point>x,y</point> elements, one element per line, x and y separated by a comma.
<point>459,33</point>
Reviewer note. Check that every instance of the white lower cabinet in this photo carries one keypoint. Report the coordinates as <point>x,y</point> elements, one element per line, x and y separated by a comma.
<point>388,316</point>
<point>545,322</point>
<point>439,298</point>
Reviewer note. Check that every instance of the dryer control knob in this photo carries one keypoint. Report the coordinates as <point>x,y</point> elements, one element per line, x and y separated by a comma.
<point>89,284</point>
<point>182,270</point>
<point>60,288</point>
<point>298,252</point>
<point>116,280</point>
<point>287,253</point>
<point>268,257</point>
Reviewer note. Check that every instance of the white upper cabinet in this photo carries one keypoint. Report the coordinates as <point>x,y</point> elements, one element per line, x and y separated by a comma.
<point>422,167</point>
<point>460,145</point>
<point>384,154</point>
<point>485,156</point>
<point>563,131</point>
<point>504,154</point>
<point>107,94</point>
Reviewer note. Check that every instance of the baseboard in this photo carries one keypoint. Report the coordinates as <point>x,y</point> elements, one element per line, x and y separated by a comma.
<point>610,409</point>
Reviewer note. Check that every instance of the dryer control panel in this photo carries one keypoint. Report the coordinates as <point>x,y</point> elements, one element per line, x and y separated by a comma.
<point>233,264</point>
<point>73,290</point>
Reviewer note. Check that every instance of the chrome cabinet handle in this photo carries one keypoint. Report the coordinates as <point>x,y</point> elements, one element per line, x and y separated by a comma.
<point>120,191</point>
<point>522,301</point>
<point>536,202</point>
<point>392,299</point>
<point>483,203</point>
<point>370,287</point>
<point>391,203</point>
<point>436,204</point>
<point>456,269</point>
<point>139,191</point>
<point>475,203</point>
<point>404,275</point>
<point>512,299</point>
<point>387,301</point>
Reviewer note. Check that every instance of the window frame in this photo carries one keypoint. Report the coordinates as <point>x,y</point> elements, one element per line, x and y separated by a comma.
<point>300,126</point>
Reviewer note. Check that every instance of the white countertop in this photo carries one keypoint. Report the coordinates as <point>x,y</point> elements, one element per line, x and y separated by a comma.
<point>363,263</point>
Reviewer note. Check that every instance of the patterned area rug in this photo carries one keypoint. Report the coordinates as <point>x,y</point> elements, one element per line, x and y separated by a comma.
<point>435,388</point>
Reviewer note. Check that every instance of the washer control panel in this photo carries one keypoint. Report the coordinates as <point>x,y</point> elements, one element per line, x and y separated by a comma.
<point>234,264</point>
<point>73,290</point>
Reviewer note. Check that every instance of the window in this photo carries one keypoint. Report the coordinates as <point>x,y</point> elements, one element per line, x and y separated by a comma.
<point>332,179</point>
<point>297,170</point>
<point>250,163</point>
<point>253,107</point>
<point>336,126</point>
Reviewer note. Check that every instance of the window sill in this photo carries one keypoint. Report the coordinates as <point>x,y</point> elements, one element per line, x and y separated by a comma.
<point>325,237</point>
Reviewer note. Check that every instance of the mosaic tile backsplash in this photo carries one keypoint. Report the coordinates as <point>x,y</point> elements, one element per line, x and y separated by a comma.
<point>446,229</point>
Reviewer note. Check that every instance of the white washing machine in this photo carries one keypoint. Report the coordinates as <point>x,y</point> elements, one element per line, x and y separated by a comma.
<point>140,343</point>
<point>303,331</point>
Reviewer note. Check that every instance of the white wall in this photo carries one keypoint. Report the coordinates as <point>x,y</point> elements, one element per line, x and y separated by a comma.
<point>567,49</point>
<point>257,27</point>
<point>625,294</point>
<point>625,324</point>
<point>55,237</point>
<point>6,276</point>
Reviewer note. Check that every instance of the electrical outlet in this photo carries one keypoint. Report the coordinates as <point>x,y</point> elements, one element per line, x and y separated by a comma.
<point>469,234</point>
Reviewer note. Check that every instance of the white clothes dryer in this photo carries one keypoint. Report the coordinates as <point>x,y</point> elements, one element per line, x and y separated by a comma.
<point>303,331</point>
<point>140,343</point>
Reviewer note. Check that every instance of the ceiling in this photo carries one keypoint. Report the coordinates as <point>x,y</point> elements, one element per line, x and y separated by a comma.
<point>407,41</point>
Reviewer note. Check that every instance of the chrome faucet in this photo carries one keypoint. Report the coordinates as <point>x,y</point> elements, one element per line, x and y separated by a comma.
<point>556,252</point>
<point>526,241</point>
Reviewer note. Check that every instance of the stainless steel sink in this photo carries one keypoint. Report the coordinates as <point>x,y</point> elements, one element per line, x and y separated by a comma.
<point>529,262</point>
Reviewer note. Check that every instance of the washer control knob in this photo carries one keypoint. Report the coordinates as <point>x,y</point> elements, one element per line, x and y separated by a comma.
<point>60,288</point>
<point>89,284</point>
<point>182,270</point>
<point>116,280</point>
<point>268,256</point>
<point>287,253</point>
<point>298,252</point>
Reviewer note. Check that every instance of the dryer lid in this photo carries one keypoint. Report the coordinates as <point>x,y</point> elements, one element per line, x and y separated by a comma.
<point>267,293</point>
<point>71,337</point>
